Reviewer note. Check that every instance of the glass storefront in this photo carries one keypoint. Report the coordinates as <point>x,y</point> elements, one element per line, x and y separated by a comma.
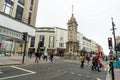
<point>9,45</point>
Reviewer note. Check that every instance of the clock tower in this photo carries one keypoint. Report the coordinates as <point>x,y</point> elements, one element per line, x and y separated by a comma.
<point>72,45</point>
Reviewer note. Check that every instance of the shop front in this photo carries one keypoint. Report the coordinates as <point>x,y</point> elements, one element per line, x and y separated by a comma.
<point>49,51</point>
<point>60,51</point>
<point>10,42</point>
<point>11,31</point>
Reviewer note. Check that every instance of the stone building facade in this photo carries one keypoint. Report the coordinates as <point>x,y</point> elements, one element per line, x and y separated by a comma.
<point>16,17</point>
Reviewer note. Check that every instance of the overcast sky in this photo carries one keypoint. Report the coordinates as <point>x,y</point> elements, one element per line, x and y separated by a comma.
<point>93,17</point>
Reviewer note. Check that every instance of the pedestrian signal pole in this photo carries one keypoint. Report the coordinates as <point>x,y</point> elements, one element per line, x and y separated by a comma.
<point>24,38</point>
<point>113,29</point>
<point>111,56</point>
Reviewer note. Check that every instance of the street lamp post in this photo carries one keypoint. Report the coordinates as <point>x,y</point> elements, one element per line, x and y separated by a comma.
<point>113,28</point>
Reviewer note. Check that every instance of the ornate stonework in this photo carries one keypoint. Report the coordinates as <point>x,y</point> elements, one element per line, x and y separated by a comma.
<point>72,45</point>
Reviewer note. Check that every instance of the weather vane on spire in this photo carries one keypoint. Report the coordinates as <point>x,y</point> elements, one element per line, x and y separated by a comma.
<point>72,9</point>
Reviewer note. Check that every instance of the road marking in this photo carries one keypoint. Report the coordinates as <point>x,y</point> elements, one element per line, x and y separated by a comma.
<point>1,72</point>
<point>15,76</point>
<point>98,79</point>
<point>79,74</point>
<point>48,68</point>
<point>65,71</point>
<point>59,70</point>
<point>30,72</point>
<point>88,76</point>
<point>23,69</point>
<point>53,69</point>
<point>72,73</point>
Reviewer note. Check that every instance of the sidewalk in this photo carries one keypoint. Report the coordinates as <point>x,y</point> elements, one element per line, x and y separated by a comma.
<point>17,60</point>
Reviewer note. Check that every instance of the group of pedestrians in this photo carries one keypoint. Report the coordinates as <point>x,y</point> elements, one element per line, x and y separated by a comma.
<point>39,54</point>
<point>96,63</point>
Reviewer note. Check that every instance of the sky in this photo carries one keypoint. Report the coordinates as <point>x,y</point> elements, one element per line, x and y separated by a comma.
<point>93,17</point>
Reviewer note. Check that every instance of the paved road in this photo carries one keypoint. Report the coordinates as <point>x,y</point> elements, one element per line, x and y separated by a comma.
<point>59,70</point>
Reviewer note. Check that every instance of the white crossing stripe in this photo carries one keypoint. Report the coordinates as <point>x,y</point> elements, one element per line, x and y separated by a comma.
<point>1,72</point>
<point>15,76</point>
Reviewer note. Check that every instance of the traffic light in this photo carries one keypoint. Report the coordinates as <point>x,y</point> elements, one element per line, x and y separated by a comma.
<point>110,43</point>
<point>24,36</point>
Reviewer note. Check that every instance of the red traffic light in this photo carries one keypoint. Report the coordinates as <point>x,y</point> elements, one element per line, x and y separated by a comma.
<point>109,38</point>
<point>110,43</point>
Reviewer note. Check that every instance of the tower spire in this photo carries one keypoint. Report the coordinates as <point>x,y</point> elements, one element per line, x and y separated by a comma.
<point>72,9</point>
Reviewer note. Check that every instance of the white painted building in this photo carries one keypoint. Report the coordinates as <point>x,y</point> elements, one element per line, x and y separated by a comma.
<point>80,39</point>
<point>60,39</point>
<point>86,44</point>
<point>94,46</point>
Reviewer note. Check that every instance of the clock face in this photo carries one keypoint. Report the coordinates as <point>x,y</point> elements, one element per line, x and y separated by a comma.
<point>71,28</point>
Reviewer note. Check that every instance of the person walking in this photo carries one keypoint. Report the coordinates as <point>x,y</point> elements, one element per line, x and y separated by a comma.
<point>37,56</point>
<point>51,57</point>
<point>82,59</point>
<point>100,65</point>
<point>45,56</point>
<point>88,59</point>
<point>30,54</point>
<point>94,63</point>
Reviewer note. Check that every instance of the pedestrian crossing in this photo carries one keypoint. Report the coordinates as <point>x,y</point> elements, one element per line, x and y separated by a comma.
<point>1,72</point>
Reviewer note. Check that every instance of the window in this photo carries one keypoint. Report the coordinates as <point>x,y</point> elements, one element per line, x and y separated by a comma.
<point>8,7</point>
<point>31,4</point>
<point>41,41</point>
<point>21,2</point>
<point>51,41</point>
<point>29,18</point>
<point>61,44</point>
<point>19,13</point>
<point>0,30</point>
<point>61,38</point>
<point>32,42</point>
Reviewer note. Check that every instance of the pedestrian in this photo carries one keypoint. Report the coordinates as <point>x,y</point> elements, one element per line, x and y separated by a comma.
<point>110,67</point>
<point>82,59</point>
<point>88,59</point>
<point>100,65</point>
<point>37,55</point>
<point>30,54</point>
<point>94,63</point>
<point>51,57</point>
<point>45,56</point>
